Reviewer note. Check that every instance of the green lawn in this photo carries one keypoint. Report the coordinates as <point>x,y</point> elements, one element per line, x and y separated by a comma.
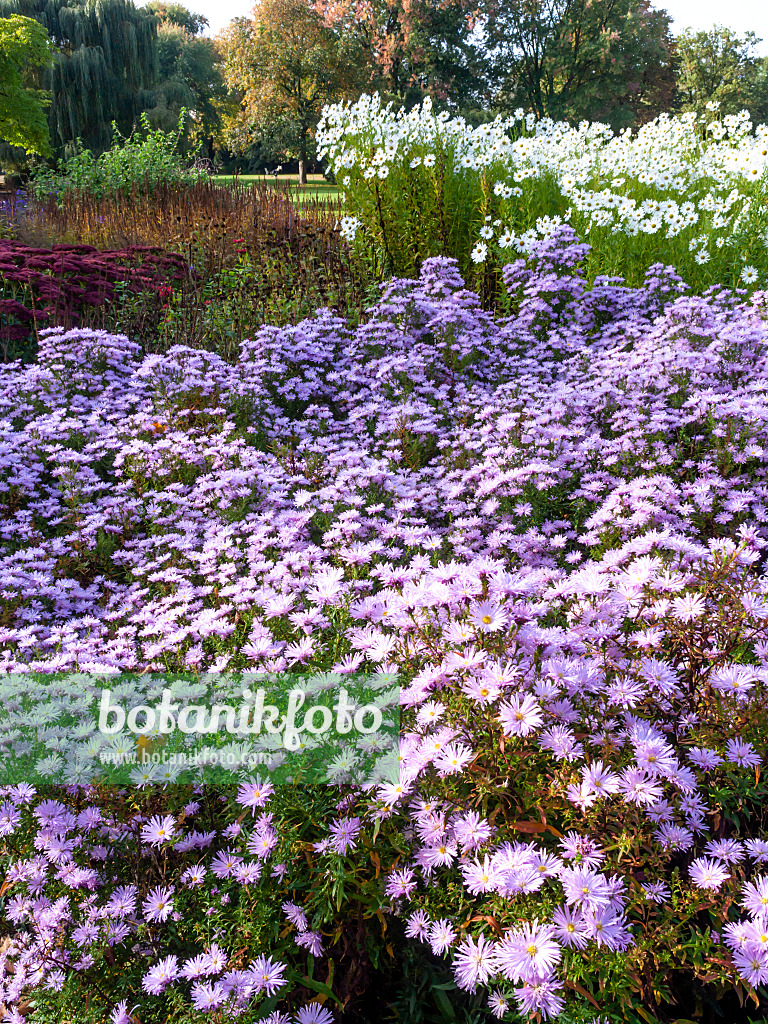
<point>316,188</point>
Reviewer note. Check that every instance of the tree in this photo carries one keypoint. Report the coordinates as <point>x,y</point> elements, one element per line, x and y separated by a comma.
<point>23,44</point>
<point>189,75</point>
<point>177,14</point>
<point>286,64</point>
<point>720,67</point>
<point>415,47</point>
<point>608,60</point>
<point>103,67</point>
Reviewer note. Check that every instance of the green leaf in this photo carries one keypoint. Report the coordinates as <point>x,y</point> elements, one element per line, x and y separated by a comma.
<point>319,986</point>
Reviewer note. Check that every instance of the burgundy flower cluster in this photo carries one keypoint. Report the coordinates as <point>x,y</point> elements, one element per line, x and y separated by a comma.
<point>57,284</point>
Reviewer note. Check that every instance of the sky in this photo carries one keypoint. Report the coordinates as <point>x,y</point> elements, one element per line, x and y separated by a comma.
<point>740,15</point>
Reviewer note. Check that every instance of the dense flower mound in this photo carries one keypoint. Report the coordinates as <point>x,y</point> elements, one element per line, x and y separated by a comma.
<point>689,191</point>
<point>552,526</point>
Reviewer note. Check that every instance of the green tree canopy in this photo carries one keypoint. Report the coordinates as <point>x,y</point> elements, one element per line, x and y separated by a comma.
<point>24,44</point>
<point>415,47</point>
<point>177,14</point>
<point>189,74</point>
<point>103,69</point>
<point>720,67</point>
<point>285,64</point>
<point>607,60</point>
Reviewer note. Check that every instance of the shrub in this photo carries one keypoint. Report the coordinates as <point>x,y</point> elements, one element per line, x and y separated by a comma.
<point>132,164</point>
<point>258,255</point>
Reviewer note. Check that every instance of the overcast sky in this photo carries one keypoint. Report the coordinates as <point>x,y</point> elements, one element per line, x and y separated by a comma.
<point>740,15</point>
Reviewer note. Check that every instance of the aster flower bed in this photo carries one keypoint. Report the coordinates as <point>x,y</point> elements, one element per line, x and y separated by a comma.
<point>551,525</point>
<point>690,193</point>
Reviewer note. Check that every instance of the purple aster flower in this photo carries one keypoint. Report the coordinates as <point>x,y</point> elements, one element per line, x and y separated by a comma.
<point>120,1014</point>
<point>474,962</point>
<point>158,830</point>
<point>310,940</point>
<point>122,902</point>
<point>729,851</point>
<point>480,876</point>
<point>195,967</point>
<point>657,892</point>
<point>606,928</point>
<point>706,873</point>
<point>568,927</point>
<point>540,997</point>
<point>313,1013</point>
<point>600,780</point>
<point>755,895</point>
<point>267,975</point>
<point>757,849</point>
<point>470,830</point>
<point>401,882</point>
<point>215,959</point>
<point>159,977</point>
<point>442,935</point>
<point>528,953</point>
<point>158,904</point>
<point>498,1004</point>
<point>343,832</point>
<point>194,876</point>
<point>418,925</point>
<point>585,888</point>
<point>296,916</point>
<point>207,995</point>
<point>224,863</point>
<point>741,753</point>
<point>581,849</point>
<point>704,758</point>
<point>520,715</point>
<point>254,794</point>
<point>751,963</point>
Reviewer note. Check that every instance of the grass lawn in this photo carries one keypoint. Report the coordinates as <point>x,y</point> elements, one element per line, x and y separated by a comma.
<point>316,188</point>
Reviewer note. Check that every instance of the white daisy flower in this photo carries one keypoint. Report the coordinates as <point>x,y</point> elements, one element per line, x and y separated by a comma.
<point>749,275</point>
<point>479,253</point>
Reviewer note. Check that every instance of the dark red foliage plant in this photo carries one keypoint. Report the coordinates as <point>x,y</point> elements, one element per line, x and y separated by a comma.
<point>59,286</point>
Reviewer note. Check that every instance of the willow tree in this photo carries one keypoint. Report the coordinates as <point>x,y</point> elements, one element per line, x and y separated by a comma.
<point>103,68</point>
<point>188,75</point>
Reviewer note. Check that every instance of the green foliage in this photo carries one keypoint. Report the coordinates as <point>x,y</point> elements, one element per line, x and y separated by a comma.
<point>188,75</point>
<point>103,68</point>
<point>412,49</point>
<point>608,60</point>
<point>177,14</point>
<point>720,67</point>
<point>23,44</point>
<point>132,165</point>
<point>286,64</point>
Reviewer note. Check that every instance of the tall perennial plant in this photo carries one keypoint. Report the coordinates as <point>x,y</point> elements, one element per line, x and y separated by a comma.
<point>691,193</point>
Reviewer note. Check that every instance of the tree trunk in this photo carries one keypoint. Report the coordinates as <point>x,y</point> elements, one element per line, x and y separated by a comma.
<point>302,171</point>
